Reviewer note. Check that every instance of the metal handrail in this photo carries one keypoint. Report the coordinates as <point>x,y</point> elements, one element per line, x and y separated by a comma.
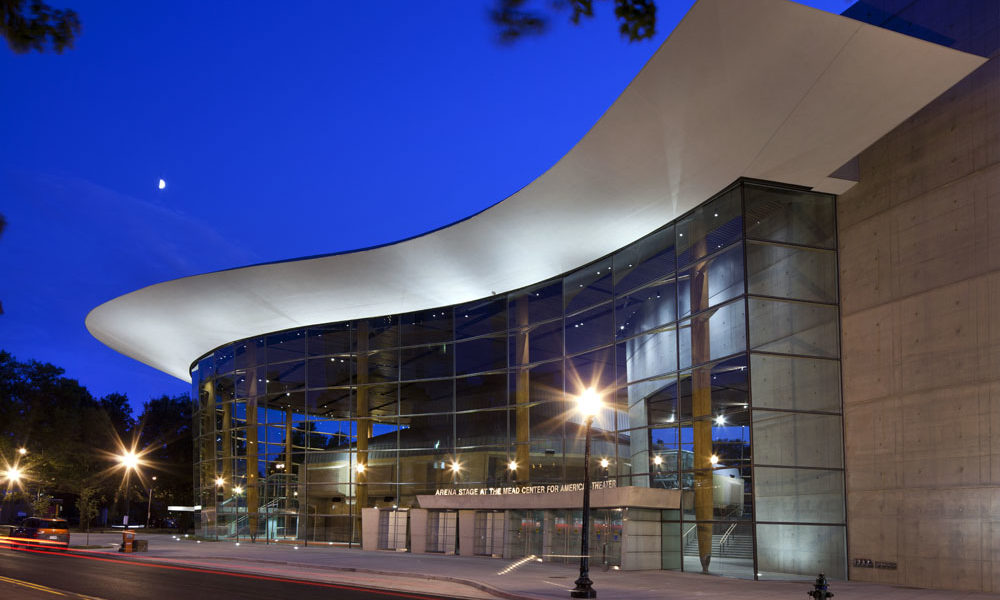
<point>725,538</point>
<point>684,537</point>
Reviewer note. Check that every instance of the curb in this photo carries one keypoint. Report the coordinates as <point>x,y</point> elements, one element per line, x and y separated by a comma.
<point>445,578</point>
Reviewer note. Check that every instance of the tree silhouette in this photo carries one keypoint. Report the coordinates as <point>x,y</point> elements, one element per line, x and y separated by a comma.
<point>516,19</point>
<point>35,25</point>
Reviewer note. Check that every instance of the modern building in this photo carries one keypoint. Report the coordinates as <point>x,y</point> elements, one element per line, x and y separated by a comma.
<point>776,258</point>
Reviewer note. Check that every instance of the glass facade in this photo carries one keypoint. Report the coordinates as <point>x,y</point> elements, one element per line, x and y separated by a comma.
<point>714,342</point>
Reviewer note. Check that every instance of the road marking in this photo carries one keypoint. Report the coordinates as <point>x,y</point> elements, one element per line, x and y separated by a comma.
<point>33,586</point>
<point>42,588</point>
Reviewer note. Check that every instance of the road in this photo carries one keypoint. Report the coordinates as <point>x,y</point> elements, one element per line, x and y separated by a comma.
<point>38,574</point>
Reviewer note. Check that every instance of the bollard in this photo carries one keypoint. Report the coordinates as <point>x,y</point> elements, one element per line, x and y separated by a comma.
<point>821,589</point>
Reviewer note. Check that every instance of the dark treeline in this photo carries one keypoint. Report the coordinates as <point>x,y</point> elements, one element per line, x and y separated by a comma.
<point>71,440</point>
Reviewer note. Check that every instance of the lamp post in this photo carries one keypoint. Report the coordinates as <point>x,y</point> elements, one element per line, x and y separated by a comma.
<point>149,503</point>
<point>589,402</point>
<point>219,482</point>
<point>130,461</point>
<point>237,490</point>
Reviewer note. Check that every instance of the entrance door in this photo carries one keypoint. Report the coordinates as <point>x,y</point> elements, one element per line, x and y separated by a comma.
<point>489,534</point>
<point>442,531</point>
<point>524,538</point>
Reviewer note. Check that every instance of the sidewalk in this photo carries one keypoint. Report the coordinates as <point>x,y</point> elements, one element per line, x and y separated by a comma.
<point>480,577</point>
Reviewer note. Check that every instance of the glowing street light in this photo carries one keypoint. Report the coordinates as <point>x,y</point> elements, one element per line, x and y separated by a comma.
<point>130,461</point>
<point>657,460</point>
<point>220,481</point>
<point>456,467</point>
<point>604,463</point>
<point>12,475</point>
<point>237,490</point>
<point>22,451</point>
<point>589,404</point>
<point>360,468</point>
<point>714,459</point>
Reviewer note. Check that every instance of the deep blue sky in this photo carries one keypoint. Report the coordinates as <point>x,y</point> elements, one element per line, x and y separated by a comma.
<point>282,130</point>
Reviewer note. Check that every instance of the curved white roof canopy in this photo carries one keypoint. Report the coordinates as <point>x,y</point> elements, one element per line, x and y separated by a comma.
<point>764,88</point>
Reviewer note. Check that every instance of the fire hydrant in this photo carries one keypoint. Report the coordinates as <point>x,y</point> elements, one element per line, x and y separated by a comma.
<point>821,589</point>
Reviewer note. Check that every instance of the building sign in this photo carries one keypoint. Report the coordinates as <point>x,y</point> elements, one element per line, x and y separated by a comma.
<point>525,489</point>
<point>867,563</point>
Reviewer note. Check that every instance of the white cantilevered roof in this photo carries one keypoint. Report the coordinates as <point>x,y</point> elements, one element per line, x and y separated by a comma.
<point>755,88</point>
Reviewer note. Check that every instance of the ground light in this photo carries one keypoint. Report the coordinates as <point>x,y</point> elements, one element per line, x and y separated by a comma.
<point>589,404</point>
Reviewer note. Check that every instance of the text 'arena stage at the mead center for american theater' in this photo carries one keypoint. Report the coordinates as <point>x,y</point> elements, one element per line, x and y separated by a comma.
<point>706,259</point>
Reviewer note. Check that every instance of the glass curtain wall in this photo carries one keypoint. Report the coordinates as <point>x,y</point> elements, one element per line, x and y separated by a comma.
<point>713,342</point>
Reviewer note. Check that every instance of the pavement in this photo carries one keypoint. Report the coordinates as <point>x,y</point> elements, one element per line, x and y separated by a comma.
<point>482,577</point>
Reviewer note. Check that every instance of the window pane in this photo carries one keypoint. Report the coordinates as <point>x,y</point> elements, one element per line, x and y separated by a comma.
<point>481,391</point>
<point>800,495</point>
<point>329,372</point>
<point>329,339</point>
<point>286,377</point>
<point>378,366</point>
<point>713,334</point>
<point>288,345</point>
<point>648,355</point>
<point>224,360</point>
<point>425,327</point>
<point>479,355</point>
<point>589,329</point>
<point>481,317</point>
<point>646,260</point>
<point>709,228</point>
<point>544,342</point>
<point>646,309</point>
<point>790,272</point>
<point>728,385</point>
<point>426,362</point>
<point>426,397</point>
<point>383,332</point>
<point>794,383</point>
<point>794,328</point>
<point>537,303</point>
<point>330,404</point>
<point>792,216</point>
<point>588,286</point>
<point>797,439</point>
<point>250,353</point>
<point>710,282</point>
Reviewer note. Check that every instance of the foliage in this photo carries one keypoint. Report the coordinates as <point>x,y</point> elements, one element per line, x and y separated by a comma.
<point>515,19</point>
<point>35,25</point>
<point>40,505</point>
<point>72,438</point>
<point>86,505</point>
<point>62,426</point>
<point>165,437</point>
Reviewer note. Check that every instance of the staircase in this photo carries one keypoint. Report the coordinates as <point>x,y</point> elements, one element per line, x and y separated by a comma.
<point>737,545</point>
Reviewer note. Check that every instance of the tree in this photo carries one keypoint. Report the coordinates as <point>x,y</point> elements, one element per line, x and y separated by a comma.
<point>36,26</point>
<point>515,19</point>
<point>40,505</point>
<point>119,411</point>
<point>86,505</point>
<point>168,447</point>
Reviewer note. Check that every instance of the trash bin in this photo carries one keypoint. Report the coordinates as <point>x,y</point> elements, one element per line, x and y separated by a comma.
<point>127,538</point>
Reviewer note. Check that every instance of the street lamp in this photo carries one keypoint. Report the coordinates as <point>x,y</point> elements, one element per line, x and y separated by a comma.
<point>219,482</point>
<point>588,403</point>
<point>22,451</point>
<point>149,504</point>
<point>237,490</point>
<point>130,461</point>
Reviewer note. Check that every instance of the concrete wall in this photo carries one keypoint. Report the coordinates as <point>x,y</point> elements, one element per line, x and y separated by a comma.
<point>920,296</point>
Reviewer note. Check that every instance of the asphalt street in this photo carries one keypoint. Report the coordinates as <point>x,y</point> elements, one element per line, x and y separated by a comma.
<point>37,574</point>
